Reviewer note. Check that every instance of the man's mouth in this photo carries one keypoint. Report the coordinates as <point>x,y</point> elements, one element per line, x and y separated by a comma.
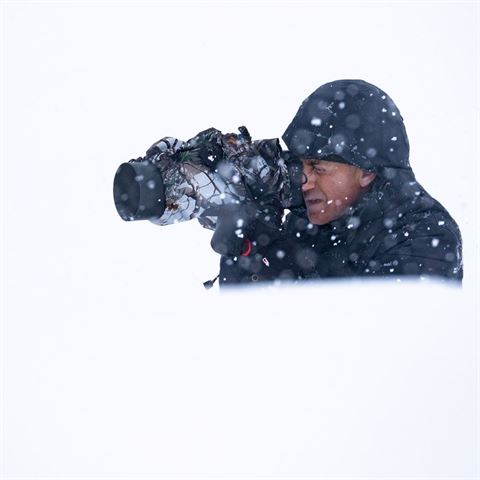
<point>316,205</point>
<point>314,201</point>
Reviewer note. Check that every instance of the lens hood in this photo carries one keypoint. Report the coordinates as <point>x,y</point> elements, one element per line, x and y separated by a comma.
<point>138,191</point>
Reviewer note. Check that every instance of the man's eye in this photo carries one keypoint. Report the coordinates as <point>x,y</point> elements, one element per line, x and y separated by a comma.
<point>318,169</point>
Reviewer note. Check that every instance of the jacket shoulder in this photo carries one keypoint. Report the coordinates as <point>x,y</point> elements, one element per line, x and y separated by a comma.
<point>427,242</point>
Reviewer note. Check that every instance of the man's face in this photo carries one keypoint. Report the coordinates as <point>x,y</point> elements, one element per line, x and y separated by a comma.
<point>331,187</point>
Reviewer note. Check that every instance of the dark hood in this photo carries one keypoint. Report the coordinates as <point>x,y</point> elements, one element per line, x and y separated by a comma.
<point>354,121</point>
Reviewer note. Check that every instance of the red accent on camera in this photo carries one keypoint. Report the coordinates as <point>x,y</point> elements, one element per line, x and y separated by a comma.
<point>248,251</point>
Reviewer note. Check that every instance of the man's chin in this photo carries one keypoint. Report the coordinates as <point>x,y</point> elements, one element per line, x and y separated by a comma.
<point>318,218</point>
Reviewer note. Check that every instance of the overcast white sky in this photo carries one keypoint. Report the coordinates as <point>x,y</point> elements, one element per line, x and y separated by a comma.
<point>115,360</point>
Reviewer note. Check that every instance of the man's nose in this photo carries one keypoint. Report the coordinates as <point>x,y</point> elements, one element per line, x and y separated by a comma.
<point>308,182</point>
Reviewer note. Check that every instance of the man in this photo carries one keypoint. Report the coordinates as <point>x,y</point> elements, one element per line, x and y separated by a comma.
<point>365,214</point>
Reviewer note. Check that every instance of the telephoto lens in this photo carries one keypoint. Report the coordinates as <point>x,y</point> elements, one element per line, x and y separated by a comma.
<point>209,174</point>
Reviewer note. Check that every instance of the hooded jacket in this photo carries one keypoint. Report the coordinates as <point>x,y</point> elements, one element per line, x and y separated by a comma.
<point>395,229</point>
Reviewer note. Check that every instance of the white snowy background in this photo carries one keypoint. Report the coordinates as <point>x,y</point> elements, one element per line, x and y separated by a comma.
<point>116,363</point>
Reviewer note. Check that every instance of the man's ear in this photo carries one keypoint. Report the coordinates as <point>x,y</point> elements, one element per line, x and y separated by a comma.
<point>366,178</point>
